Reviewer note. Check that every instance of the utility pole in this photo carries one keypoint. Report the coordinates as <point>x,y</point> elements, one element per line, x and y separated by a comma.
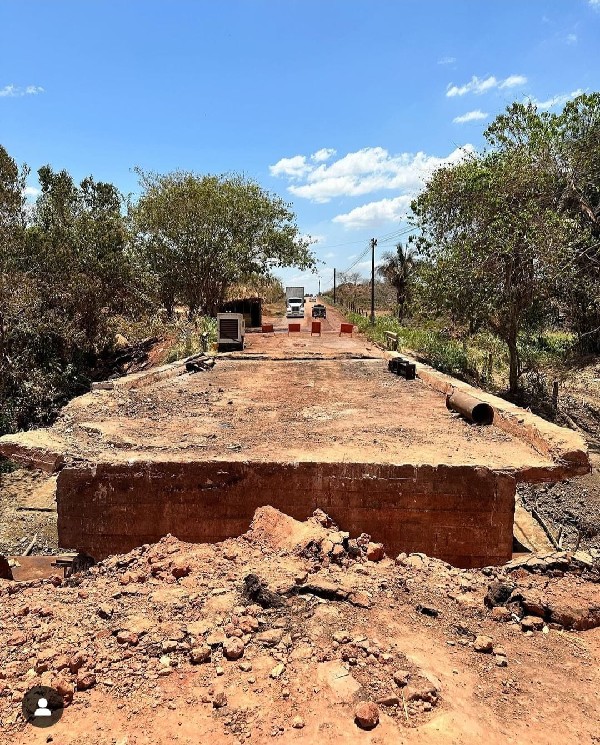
<point>373,244</point>
<point>319,285</point>
<point>334,286</point>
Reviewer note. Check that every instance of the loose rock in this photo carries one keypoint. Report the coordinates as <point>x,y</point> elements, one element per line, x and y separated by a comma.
<point>200,654</point>
<point>375,552</point>
<point>483,644</point>
<point>219,700</point>
<point>366,715</point>
<point>401,677</point>
<point>532,623</point>
<point>233,648</point>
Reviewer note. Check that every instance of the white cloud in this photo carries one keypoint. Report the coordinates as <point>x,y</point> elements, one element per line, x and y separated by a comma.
<point>13,91</point>
<point>475,85</point>
<point>559,100</point>
<point>362,172</point>
<point>294,167</point>
<point>31,191</point>
<point>470,116</point>
<point>478,86</point>
<point>325,153</point>
<point>376,213</point>
<point>447,61</point>
<point>329,255</point>
<point>304,278</point>
<point>513,80</point>
<point>572,39</point>
<point>595,4</point>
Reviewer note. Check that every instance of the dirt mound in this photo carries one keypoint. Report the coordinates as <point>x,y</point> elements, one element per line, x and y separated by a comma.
<point>175,642</point>
<point>277,531</point>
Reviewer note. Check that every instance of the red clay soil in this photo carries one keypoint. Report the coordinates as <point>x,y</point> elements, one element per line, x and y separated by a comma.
<point>174,643</point>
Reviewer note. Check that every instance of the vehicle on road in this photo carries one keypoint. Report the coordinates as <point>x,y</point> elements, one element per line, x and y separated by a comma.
<point>319,311</point>
<point>294,297</point>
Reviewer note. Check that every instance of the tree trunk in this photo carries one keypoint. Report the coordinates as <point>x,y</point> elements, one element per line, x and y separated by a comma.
<point>169,304</point>
<point>513,376</point>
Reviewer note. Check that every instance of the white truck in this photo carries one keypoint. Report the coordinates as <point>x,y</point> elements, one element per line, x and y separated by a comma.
<point>294,299</point>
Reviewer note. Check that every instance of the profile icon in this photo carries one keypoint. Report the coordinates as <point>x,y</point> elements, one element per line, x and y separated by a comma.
<point>42,709</point>
<point>42,706</point>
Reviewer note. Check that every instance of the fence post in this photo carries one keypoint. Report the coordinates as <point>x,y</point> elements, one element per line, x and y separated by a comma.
<point>555,395</point>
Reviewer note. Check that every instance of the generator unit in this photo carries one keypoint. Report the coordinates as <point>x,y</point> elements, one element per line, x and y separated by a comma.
<point>231,329</point>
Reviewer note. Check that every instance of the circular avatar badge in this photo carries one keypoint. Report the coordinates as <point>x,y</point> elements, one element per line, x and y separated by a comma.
<point>42,706</point>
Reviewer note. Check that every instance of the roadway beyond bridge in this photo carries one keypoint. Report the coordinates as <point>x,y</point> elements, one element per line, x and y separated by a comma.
<point>297,422</point>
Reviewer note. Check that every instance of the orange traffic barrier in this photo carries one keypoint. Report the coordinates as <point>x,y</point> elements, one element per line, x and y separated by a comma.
<point>346,328</point>
<point>293,327</point>
<point>315,328</point>
<point>267,328</point>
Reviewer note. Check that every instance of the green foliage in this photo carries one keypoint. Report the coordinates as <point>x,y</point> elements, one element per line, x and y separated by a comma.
<point>202,234</point>
<point>431,345</point>
<point>398,268</point>
<point>8,466</point>
<point>66,269</point>
<point>510,235</point>
<point>189,337</point>
<point>480,358</point>
<point>75,269</point>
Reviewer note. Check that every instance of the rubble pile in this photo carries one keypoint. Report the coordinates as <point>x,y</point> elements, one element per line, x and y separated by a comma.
<point>259,631</point>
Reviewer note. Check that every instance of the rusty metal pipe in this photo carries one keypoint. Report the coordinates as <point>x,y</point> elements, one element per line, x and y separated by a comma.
<point>471,408</point>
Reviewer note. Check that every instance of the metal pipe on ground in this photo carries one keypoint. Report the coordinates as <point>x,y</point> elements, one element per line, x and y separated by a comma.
<point>471,408</point>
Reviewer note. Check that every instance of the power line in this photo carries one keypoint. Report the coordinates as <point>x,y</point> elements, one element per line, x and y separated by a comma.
<point>357,260</point>
<point>385,240</point>
<point>338,245</point>
<point>395,234</point>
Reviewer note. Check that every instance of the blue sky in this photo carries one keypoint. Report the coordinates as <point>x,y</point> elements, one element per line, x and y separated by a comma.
<point>343,107</point>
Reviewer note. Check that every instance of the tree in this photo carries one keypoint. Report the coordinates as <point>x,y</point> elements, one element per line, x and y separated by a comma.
<point>512,233</point>
<point>65,270</point>
<point>565,151</point>
<point>12,232</point>
<point>13,291</point>
<point>201,234</point>
<point>78,248</point>
<point>578,278</point>
<point>486,231</point>
<point>397,268</point>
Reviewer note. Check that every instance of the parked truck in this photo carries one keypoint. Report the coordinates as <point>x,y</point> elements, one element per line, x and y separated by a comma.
<point>294,299</point>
